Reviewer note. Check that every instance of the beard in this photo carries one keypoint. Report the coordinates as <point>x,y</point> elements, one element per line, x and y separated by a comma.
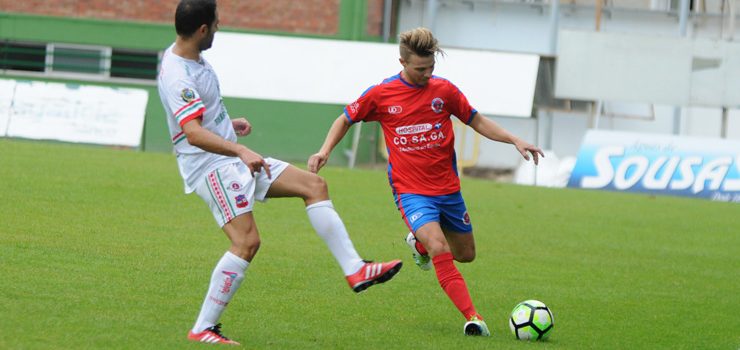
<point>206,43</point>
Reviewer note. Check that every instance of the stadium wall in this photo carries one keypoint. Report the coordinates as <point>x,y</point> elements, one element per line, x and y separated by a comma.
<point>289,130</point>
<point>284,129</point>
<point>345,19</point>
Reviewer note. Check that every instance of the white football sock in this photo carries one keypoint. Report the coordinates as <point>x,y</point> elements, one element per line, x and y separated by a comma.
<point>327,223</point>
<point>225,280</point>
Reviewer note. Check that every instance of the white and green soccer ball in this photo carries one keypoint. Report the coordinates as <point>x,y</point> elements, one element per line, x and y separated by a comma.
<point>531,320</point>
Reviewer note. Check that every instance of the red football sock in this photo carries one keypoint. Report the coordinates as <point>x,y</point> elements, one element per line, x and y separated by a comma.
<point>453,284</point>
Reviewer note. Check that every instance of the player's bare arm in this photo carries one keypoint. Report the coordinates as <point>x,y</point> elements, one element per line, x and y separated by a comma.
<point>495,132</point>
<point>210,142</point>
<point>241,126</point>
<point>336,133</point>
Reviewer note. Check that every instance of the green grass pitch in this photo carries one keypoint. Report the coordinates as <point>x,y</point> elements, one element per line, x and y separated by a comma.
<point>100,249</point>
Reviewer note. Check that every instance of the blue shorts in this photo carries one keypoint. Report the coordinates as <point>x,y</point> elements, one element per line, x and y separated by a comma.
<point>448,210</point>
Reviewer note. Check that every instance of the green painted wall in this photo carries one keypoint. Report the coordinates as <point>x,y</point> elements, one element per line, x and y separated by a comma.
<point>288,130</point>
<point>293,130</point>
<point>353,21</point>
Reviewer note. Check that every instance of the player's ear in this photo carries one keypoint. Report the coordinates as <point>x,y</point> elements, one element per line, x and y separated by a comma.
<point>402,61</point>
<point>203,29</point>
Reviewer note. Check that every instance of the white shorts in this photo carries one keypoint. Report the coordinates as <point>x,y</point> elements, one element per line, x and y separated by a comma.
<point>231,190</point>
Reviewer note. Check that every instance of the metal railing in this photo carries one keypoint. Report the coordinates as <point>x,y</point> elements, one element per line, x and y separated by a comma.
<point>106,62</point>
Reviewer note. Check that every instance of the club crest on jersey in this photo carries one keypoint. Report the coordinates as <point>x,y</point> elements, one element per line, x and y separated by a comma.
<point>241,201</point>
<point>437,105</point>
<point>466,219</point>
<point>187,95</point>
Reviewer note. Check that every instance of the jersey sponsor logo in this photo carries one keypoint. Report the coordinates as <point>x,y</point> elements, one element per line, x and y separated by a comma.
<point>415,217</point>
<point>241,201</point>
<point>187,95</point>
<point>419,142</point>
<point>413,129</point>
<point>438,105</point>
<point>395,109</point>
<point>466,219</point>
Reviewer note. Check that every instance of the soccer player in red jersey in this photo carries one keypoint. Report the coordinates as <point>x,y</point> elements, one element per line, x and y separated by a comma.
<point>414,109</point>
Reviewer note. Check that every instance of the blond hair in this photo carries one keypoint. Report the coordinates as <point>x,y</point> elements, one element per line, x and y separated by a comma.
<point>420,42</point>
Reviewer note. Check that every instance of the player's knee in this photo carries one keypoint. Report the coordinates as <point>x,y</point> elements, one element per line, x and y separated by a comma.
<point>437,247</point>
<point>466,256</point>
<point>464,253</point>
<point>246,248</point>
<point>317,188</point>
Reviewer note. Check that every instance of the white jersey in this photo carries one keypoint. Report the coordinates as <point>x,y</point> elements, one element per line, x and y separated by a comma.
<point>188,90</point>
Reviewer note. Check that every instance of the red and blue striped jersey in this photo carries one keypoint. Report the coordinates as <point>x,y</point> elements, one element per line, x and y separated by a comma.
<point>418,131</point>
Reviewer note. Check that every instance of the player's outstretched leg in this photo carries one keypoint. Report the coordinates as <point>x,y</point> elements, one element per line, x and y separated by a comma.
<point>373,273</point>
<point>422,260</point>
<point>360,274</point>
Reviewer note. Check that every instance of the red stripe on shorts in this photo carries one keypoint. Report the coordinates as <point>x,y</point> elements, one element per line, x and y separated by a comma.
<point>222,201</point>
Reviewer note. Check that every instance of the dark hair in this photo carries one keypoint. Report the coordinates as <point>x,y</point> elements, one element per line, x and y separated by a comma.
<point>191,14</point>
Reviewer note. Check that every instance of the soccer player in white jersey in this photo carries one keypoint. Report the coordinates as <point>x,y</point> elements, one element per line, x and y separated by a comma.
<point>229,177</point>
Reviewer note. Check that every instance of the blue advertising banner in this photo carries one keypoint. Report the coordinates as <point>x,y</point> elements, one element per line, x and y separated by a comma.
<point>659,164</point>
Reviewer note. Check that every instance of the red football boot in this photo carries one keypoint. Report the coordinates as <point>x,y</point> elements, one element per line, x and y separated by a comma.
<point>211,335</point>
<point>372,273</point>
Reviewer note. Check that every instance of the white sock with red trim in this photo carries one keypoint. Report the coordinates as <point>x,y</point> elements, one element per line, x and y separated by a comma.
<point>225,280</point>
<point>327,223</point>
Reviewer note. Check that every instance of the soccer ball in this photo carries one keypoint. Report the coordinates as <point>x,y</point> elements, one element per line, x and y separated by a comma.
<point>531,320</point>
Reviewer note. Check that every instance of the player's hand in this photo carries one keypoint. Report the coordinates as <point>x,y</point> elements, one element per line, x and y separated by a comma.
<point>526,149</point>
<point>254,162</point>
<point>317,161</point>
<point>241,126</point>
